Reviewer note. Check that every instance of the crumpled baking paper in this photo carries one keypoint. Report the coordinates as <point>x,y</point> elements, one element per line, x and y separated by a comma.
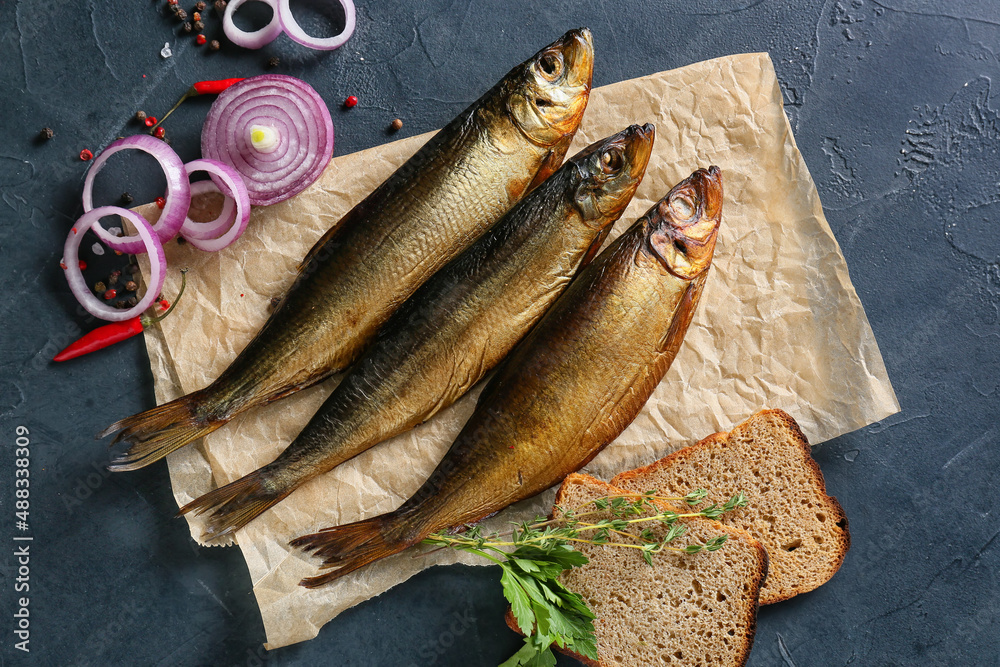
<point>779,326</point>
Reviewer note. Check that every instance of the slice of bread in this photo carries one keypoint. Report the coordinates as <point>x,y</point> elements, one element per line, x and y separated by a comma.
<point>687,609</point>
<point>768,459</point>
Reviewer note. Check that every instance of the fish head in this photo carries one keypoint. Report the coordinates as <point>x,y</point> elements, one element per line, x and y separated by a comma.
<point>683,226</point>
<point>550,90</point>
<point>610,170</point>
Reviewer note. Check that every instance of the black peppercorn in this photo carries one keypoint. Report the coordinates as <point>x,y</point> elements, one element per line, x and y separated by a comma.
<point>131,301</point>
<point>188,27</point>
<point>220,7</point>
<point>131,286</point>
<point>214,45</point>
<point>127,199</point>
<point>200,6</point>
<point>132,269</point>
<point>273,62</point>
<point>181,15</point>
<point>100,288</point>
<point>199,26</point>
<point>140,115</point>
<point>113,278</point>
<point>46,133</point>
<point>396,125</point>
<point>181,240</point>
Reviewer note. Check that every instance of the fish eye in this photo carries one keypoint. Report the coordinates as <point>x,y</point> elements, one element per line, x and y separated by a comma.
<point>550,66</point>
<point>611,160</point>
<point>682,206</point>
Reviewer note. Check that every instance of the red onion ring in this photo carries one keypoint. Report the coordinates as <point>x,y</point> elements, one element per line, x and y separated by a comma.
<point>212,228</point>
<point>178,194</point>
<point>279,104</point>
<point>257,38</point>
<point>233,184</point>
<point>150,242</point>
<point>293,30</point>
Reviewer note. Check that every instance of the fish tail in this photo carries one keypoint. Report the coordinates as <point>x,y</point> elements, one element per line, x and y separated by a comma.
<point>153,434</point>
<point>238,503</point>
<point>351,546</point>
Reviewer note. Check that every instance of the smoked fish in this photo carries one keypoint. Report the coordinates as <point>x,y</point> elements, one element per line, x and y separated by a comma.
<point>456,327</point>
<point>568,389</point>
<point>434,206</point>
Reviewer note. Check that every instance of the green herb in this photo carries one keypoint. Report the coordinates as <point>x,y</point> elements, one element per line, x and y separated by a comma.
<point>533,555</point>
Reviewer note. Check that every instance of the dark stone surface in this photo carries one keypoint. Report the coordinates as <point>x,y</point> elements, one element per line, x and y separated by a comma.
<point>892,108</point>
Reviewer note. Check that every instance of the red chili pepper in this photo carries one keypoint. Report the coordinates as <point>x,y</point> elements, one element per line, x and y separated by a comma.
<point>200,88</point>
<point>109,334</point>
<point>212,87</point>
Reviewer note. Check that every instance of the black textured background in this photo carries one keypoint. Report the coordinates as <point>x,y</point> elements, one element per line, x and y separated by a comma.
<point>891,106</point>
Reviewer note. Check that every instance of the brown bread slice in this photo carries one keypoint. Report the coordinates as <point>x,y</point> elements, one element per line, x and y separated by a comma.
<point>766,457</point>
<point>687,609</point>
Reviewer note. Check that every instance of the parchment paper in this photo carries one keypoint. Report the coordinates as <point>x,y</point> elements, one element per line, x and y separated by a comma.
<point>779,326</point>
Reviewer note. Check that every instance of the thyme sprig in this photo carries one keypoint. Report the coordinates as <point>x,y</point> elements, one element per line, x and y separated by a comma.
<point>534,554</point>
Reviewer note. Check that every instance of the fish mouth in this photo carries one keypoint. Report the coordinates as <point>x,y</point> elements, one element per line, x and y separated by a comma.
<point>684,225</point>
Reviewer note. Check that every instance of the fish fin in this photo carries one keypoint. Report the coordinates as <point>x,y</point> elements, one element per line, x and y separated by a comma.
<point>156,432</point>
<point>350,547</point>
<point>236,504</point>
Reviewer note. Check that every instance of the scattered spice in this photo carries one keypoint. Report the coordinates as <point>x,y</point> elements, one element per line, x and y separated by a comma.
<point>196,16</point>
<point>200,39</point>
<point>275,300</point>
<point>46,133</point>
<point>131,286</point>
<point>85,154</point>
<point>181,240</point>
<point>220,7</point>
<point>214,45</point>
<point>396,125</point>
<point>160,202</point>
<point>273,62</point>
<point>110,294</point>
<point>171,2</point>
<point>140,115</point>
<point>165,52</point>
<point>150,121</point>
<point>100,287</point>
<point>127,199</point>
<point>113,278</point>
<point>199,26</point>
<point>83,265</point>
<point>131,302</point>
<point>181,15</point>
<point>199,6</point>
<point>351,101</point>
<point>159,132</point>
<point>132,268</point>
<point>188,27</point>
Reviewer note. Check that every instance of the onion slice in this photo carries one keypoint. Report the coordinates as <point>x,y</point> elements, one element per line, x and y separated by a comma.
<point>233,184</point>
<point>178,195</point>
<point>257,38</point>
<point>293,30</point>
<point>212,228</point>
<point>78,284</point>
<point>293,112</point>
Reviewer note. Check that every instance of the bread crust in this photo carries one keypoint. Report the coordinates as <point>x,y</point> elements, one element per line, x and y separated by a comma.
<point>631,479</point>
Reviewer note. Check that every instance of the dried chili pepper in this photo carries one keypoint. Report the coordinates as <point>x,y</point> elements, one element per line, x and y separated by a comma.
<point>109,334</point>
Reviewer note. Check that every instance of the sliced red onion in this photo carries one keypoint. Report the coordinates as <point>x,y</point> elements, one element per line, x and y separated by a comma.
<point>150,243</point>
<point>257,38</point>
<point>178,195</point>
<point>213,228</point>
<point>293,30</point>
<point>237,193</point>
<point>275,130</point>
